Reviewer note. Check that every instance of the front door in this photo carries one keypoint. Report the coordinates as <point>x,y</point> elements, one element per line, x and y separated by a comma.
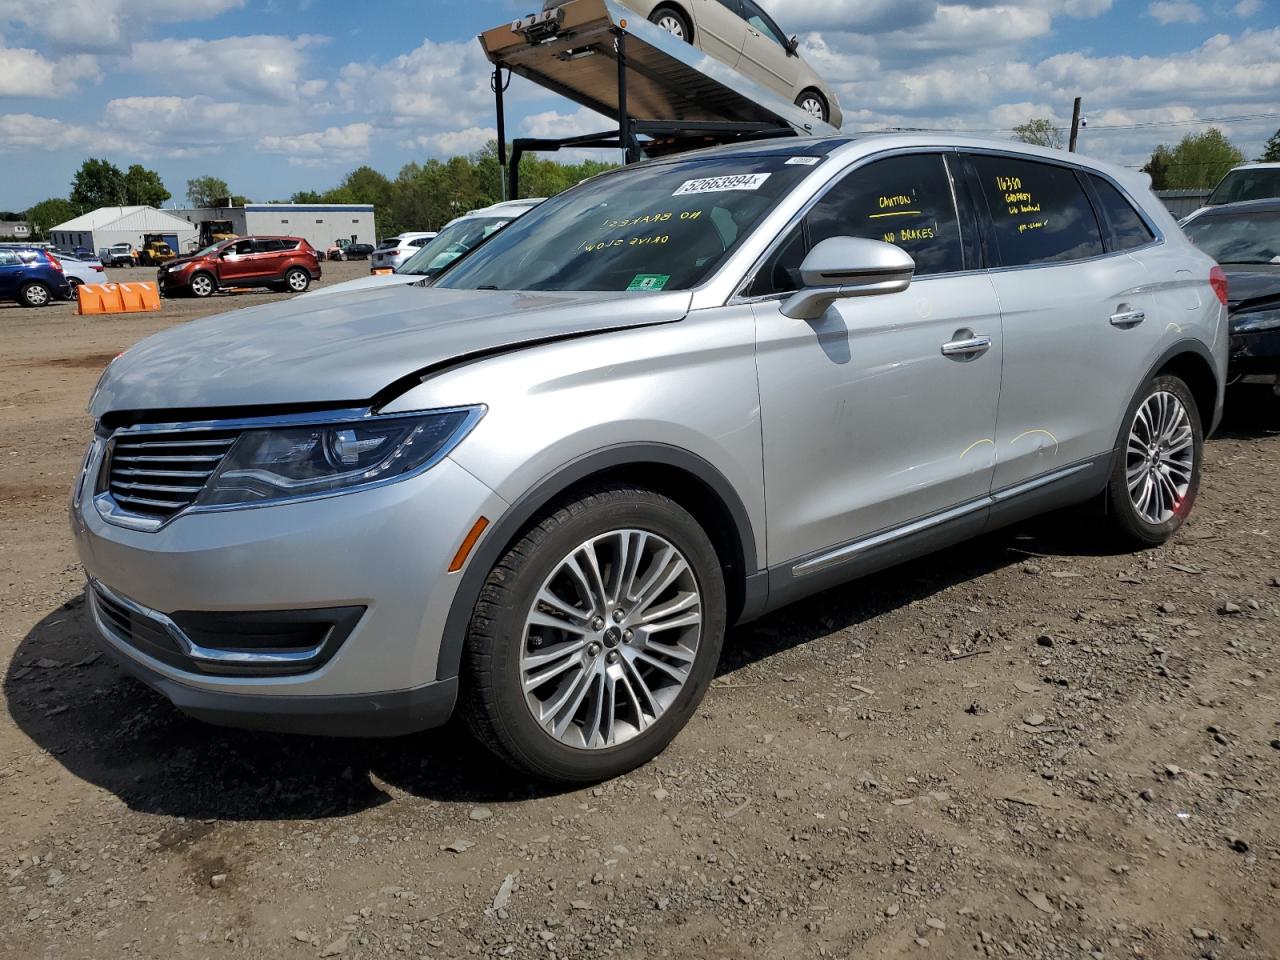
<point>764,54</point>
<point>236,263</point>
<point>1078,319</point>
<point>10,268</point>
<point>883,411</point>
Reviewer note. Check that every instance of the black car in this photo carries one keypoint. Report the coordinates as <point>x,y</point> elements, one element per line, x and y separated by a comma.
<point>1245,240</point>
<point>356,251</point>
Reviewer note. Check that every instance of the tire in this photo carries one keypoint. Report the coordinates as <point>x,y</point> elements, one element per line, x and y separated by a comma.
<point>815,104</point>
<point>674,21</point>
<point>202,285</point>
<point>35,294</point>
<point>74,284</point>
<point>1156,474</point>
<point>594,742</point>
<point>296,280</point>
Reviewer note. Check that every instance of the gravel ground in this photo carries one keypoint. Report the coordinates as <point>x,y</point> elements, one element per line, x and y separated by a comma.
<point>1025,747</point>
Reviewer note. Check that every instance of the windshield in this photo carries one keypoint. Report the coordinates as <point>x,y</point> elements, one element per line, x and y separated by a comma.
<point>1242,238</point>
<point>209,251</point>
<point>451,243</point>
<point>1258,183</point>
<point>664,226</point>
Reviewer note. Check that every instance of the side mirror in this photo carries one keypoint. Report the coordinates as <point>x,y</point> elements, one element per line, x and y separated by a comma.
<point>843,267</point>
<point>792,47</point>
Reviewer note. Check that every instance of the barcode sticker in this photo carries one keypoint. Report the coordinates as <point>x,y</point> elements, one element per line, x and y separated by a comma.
<point>741,181</point>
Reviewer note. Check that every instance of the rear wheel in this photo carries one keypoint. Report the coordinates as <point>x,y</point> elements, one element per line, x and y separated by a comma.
<point>74,284</point>
<point>674,22</point>
<point>296,280</point>
<point>34,295</point>
<point>814,104</point>
<point>1156,475</point>
<point>595,637</point>
<point>203,285</point>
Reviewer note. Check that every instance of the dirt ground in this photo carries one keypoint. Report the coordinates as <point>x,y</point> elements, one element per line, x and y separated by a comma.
<point>1024,747</point>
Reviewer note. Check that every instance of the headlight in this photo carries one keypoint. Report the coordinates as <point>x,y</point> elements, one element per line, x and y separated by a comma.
<point>320,459</point>
<point>1256,322</point>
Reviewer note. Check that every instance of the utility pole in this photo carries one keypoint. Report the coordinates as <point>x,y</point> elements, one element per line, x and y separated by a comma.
<point>1075,125</point>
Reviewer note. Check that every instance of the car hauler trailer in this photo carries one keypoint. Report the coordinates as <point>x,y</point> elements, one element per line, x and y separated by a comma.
<point>603,56</point>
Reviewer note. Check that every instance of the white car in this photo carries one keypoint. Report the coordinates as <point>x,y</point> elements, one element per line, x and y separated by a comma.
<point>80,272</point>
<point>396,250</point>
<point>457,237</point>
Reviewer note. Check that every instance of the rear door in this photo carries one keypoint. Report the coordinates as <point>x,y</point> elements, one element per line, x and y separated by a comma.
<point>764,54</point>
<point>1077,313</point>
<point>719,29</point>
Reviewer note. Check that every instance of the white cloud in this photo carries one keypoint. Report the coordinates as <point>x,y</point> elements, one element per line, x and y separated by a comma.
<point>20,132</point>
<point>335,144</point>
<point>452,142</point>
<point>260,67</point>
<point>552,124</point>
<point>433,86</point>
<point>103,25</point>
<point>28,73</point>
<point>1175,11</point>
<point>1247,8</point>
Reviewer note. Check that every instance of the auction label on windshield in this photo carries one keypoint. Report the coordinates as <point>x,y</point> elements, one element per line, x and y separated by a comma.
<point>741,181</point>
<point>648,281</point>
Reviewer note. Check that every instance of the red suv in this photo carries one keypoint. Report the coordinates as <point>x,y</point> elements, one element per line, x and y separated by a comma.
<point>287,264</point>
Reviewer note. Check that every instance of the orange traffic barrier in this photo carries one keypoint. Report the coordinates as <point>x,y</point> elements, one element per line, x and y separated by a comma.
<point>104,298</point>
<point>381,271</point>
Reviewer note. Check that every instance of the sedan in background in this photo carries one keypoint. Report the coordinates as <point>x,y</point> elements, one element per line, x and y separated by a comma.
<point>743,35</point>
<point>82,270</point>
<point>1245,240</point>
<point>396,250</point>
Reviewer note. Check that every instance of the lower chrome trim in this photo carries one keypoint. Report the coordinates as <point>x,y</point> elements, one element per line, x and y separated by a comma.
<point>190,648</point>
<point>850,550</point>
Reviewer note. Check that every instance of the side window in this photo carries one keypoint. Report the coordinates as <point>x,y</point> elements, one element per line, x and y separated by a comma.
<point>902,200</point>
<point>1039,212</point>
<point>243,248</point>
<point>761,22</point>
<point>8,258</point>
<point>1127,228</point>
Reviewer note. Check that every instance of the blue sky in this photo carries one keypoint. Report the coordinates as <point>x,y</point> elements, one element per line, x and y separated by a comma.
<point>276,96</point>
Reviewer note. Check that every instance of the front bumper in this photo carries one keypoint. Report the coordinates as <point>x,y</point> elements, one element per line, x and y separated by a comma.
<point>1255,354</point>
<point>385,549</point>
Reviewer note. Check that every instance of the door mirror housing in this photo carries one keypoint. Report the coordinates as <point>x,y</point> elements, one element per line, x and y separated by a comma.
<point>792,47</point>
<point>843,267</point>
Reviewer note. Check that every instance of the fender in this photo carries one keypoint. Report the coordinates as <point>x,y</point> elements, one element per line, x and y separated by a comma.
<point>495,542</point>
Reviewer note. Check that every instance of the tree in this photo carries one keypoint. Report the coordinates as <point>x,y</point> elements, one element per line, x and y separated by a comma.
<point>144,188</point>
<point>1040,131</point>
<point>98,183</point>
<point>206,191</point>
<point>1199,160</point>
<point>1271,152</point>
<point>47,214</point>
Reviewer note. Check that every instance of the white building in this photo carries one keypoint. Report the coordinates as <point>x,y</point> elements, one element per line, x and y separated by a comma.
<point>16,229</point>
<point>320,224</point>
<point>111,225</point>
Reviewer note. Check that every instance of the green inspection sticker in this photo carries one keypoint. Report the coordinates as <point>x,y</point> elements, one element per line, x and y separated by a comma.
<point>648,281</point>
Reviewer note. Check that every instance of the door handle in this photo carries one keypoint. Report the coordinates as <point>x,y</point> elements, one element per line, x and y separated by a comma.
<point>1127,318</point>
<point>970,347</point>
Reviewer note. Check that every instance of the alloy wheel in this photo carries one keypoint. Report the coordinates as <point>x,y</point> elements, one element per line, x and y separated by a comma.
<point>297,281</point>
<point>201,286</point>
<point>1160,457</point>
<point>611,639</point>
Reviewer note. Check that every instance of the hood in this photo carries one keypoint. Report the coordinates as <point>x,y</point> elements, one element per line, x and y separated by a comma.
<point>347,347</point>
<point>363,283</point>
<point>1246,283</point>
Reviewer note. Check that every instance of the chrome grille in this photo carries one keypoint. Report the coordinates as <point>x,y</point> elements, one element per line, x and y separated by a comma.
<point>158,474</point>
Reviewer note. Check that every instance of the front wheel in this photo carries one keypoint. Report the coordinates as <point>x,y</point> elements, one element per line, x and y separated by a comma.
<point>595,637</point>
<point>1156,474</point>
<point>34,295</point>
<point>814,104</point>
<point>203,285</point>
<point>674,22</point>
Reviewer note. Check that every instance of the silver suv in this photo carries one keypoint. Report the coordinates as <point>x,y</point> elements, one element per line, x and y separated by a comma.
<point>671,399</point>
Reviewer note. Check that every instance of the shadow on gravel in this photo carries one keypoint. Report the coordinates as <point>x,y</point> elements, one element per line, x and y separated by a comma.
<point>118,734</point>
<point>1252,412</point>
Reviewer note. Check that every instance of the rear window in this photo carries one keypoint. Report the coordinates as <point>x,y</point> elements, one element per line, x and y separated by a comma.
<point>1257,183</point>
<point>1039,212</point>
<point>1128,230</point>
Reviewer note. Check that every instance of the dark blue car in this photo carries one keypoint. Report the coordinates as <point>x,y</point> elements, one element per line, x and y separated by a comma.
<point>31,277</point>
